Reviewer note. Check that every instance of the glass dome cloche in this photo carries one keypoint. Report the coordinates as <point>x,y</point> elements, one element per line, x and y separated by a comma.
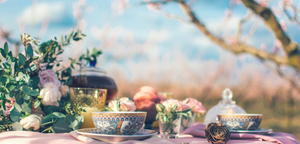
<point>225,106</point>
<point>93,77</point>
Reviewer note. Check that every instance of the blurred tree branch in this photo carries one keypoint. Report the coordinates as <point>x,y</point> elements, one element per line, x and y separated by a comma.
<point>293,18</point>
<point>237,48</point>
<point>291,48</point>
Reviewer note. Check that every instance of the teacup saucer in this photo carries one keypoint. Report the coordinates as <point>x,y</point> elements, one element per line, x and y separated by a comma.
<point>96,134</point>
<point>259,131</point>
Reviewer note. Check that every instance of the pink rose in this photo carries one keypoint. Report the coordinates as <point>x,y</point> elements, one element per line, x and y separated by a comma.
<point>47,76</point>
<point>198,107</point>
<point>125,105</point>
<point>8,106</point>
<point>185,107</point>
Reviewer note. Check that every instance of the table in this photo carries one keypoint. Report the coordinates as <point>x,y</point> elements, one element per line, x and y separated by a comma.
<point>24,137</point>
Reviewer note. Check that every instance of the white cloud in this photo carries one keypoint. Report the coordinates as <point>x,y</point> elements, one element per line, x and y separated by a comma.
<point>40,12</point>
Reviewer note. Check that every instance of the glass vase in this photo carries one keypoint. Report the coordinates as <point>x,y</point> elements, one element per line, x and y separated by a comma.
<point>169,126</point>
<point>187,122</point>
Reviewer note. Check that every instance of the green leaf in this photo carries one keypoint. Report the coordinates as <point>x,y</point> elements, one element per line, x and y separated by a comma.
<point>26,97</point>
<point>50,109</point>
<point>17,126</point>
<point>69,80</point>
<point>35,81</point>
<point>61,127</point>
<point>59,115</point>
<point>26,89</point>
<point>53,117</point>
<point>80,120</point>
<point>6,48</point>
<point>22,59</point>
<point>37,103</point>
<point>33,93</point>
<point>71,121</point>
<point>12,87</point>
<point>29,50</point>
<point>15,115</point>
<point>3,52</point>
<point>2,72</point>
<point>27,107</point>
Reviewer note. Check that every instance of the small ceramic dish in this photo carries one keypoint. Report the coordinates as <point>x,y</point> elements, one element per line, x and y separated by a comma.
<point>96,134</point>
<point>259,131</point>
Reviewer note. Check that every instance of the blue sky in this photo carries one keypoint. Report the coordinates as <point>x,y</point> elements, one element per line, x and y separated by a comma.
<point>160,38</point>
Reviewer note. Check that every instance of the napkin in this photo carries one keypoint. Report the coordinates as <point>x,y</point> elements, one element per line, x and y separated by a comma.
<point>197,130</point>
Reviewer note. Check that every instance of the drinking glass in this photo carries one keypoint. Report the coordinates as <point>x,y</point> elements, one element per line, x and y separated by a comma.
<point>90,99</point>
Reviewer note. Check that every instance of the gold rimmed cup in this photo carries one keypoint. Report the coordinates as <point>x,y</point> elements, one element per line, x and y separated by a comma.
<point>240,121</point>
<point>119,123</point>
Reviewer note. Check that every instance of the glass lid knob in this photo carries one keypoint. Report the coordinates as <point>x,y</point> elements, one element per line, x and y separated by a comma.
<point>227,94</point>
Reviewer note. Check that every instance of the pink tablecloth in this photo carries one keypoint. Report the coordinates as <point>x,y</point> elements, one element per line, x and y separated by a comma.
<point>23,137</point>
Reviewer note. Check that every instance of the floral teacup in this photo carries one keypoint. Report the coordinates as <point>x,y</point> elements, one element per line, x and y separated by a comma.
<point>119,123</point>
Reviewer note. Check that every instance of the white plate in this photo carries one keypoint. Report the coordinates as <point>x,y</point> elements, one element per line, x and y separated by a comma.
<point>260,131</point>
<point>96,134</point>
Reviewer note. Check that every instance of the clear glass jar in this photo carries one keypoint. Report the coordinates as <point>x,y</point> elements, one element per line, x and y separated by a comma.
<point>225,106</point>
<point>92,77</point>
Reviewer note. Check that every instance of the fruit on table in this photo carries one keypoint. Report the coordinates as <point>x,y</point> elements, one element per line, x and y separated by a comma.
<point>145,100</point>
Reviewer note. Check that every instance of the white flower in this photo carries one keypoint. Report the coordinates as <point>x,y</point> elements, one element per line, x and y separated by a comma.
<point>50,94</point>
<point>169,104</point>
<point>26,39</point>
<point>125,105</point>
<point>31,121</point>
<point>64,89</point>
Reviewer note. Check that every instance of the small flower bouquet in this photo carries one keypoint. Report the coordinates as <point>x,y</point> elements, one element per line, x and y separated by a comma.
<point>33,96</point>
<point>197,109</point>
<point>169,115</point>
<point>122,104</point>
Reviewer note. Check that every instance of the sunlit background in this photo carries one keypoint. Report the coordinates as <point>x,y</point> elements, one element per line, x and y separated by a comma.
<point>156,45</point>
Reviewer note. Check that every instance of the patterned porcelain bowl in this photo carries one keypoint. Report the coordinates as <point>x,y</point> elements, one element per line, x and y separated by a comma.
<point>240,121</point>
<point>119,123</point>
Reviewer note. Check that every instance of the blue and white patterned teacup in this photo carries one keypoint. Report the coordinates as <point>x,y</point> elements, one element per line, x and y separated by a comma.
<point>240,121</point>
<point>119,123</point>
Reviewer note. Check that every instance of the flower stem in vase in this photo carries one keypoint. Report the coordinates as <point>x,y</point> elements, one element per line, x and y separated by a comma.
<point>169,125</point>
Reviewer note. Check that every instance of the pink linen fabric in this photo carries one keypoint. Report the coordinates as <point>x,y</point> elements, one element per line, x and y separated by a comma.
<point>26,137</point>
<point>197,130</point>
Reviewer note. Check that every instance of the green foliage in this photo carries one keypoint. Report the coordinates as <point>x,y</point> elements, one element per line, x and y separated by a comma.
<point>19,79</point>
<point>90,57</point>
